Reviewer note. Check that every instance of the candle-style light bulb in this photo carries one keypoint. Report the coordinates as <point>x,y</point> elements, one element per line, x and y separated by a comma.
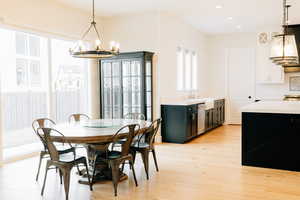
<point>117,47</point>
<point>113,45</point>
<point>80,45</point>
<point>98,43</point>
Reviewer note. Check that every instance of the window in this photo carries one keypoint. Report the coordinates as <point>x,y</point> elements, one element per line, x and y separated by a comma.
<point>69,80</point>
<point>26,62</point>
<point>194,71</point>
<point>186,70</point>
<point>180,71</point>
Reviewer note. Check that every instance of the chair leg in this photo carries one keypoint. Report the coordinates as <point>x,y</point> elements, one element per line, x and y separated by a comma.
<point>133,153</point>
<point>145,157</point>
<point>88,175</point>
<point>60,175</point>
<point>133,171</point>
<point>40,162</point>
<point>155,160</point>
<point>123,165</point>
<point>79,172</point>
<point>115,175</point>
<point>94,169</point>
<point>66,175</point>
<point>44,184</point>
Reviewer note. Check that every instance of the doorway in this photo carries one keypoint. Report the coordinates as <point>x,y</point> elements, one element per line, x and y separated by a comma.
<point>240,81</point>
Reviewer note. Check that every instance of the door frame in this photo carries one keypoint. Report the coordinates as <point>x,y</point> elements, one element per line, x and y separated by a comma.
<point>227,103</point>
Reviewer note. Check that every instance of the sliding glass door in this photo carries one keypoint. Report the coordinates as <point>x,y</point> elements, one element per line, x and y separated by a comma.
<point>24,80</point>
<point>38,79</point>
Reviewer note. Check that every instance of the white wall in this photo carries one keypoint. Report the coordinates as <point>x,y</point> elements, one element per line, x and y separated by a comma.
<point>133,32</point>
<point>44,16</point>
<point>175,33</point>
<point>217,66</point>
<point>161,34</point>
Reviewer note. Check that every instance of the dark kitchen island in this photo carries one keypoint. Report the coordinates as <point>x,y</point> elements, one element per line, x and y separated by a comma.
<point>271,135</point>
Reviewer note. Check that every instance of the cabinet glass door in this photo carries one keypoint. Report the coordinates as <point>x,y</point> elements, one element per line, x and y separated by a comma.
<point>127,85</point>
<point>116,90</point>
<point>107,92</point>
<point>148,90</point>
<point>132,87</point>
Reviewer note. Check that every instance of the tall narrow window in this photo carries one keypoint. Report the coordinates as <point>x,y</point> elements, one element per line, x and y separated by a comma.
<point>194,71</point>
<point>188,71</point>
<point>180,71</point>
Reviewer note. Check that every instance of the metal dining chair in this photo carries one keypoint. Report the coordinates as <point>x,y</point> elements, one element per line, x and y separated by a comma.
<point>78,117</point>
<point>145,145</point>
<point>64,162</point>
<point>113,157</point>
<point>46,123</point>
<point>134,116</point>
<point>41,123</point>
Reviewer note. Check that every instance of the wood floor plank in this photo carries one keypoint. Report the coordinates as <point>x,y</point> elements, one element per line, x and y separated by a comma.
<point>207,168</point>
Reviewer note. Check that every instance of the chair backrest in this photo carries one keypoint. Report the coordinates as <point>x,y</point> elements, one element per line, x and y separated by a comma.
<point>46,133</point>
<point>149,135</point>
<point>136,116</point>
<point>42,123</point>
<point>78,117</point>
<point>131,130</point>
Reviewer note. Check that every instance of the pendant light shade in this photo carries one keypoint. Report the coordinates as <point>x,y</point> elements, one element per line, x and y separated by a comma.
<point>96,51</point>
<point>283,46</point>
<point>284,50</point>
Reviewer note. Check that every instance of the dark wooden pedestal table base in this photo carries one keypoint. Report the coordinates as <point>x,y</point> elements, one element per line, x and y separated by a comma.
<point>103,172</point>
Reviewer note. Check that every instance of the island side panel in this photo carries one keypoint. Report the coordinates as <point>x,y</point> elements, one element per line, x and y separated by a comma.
<point>271,140</point>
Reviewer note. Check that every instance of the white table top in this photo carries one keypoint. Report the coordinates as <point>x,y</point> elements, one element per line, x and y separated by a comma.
<point>99,130</point>
<point>283,107</point>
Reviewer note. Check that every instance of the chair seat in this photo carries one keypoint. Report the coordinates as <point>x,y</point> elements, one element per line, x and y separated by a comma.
<point>114,154</point>
<point>141,145</point>
<point>69,157</point>
<point>61,147</point>
<point>121,141</point>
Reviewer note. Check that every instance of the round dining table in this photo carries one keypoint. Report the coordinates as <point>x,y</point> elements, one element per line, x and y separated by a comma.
<point>96,131</point>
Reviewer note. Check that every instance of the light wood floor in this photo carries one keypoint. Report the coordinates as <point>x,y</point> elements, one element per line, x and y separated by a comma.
<point>207,168</point>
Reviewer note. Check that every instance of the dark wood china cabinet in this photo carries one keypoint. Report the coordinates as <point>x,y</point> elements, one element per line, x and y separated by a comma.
<point>126,85</point>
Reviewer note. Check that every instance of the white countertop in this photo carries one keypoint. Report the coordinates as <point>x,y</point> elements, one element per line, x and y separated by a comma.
<point>283,107</point>
<point>188,102</point>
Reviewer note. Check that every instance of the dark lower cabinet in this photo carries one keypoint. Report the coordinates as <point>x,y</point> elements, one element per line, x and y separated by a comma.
<point>216,116</point>
<point>271,140</point>
<point>209,119</point>
<point>180,123</point>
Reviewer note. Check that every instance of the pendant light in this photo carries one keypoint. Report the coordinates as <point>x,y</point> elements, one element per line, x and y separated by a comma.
<point>283,46</point>
<point>79,51</point>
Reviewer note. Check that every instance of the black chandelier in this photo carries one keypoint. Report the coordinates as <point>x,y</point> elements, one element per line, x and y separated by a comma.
<point>79,51</point>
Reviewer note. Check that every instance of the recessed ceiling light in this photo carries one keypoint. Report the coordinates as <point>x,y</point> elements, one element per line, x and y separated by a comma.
<point>219,6</point>
<point>230,18</point>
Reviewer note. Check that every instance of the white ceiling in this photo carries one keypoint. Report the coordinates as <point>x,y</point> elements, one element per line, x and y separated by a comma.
<point>247,15</point>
